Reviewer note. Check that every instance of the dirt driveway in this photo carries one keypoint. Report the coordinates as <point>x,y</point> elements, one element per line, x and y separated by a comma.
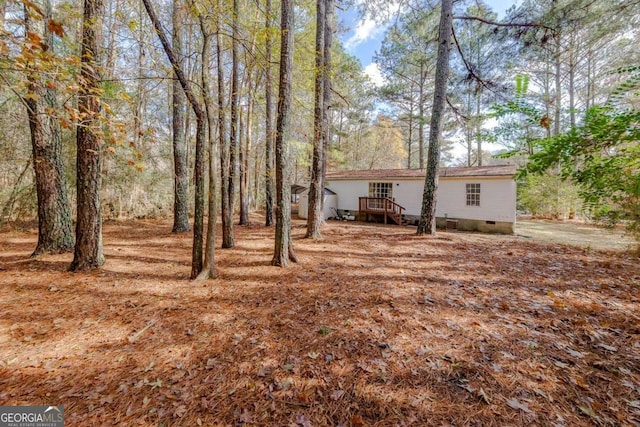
<point>575,234</point>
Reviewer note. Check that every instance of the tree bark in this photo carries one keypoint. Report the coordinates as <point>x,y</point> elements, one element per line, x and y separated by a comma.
<point>54,214</point>
<point>283,251</point>
<point>421,117</point>
<point>222,133</point>
<point>314,220</point>
<point>326,89</point>
<point>88,249</point>
<point>244,162</point>
<point>209,262</point>
<point>179,140</point>
<point>228,240</point>
<point>198,219</point>
<point>269,166</point>
<point>427,223</point>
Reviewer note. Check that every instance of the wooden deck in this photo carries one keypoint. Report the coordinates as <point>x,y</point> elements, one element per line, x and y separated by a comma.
<point>381,206</point>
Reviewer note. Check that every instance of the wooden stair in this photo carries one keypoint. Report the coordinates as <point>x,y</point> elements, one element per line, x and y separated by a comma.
<point>384,206</point>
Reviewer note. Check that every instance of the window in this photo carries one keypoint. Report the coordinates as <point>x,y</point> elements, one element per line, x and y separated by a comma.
<point>473,194</point>
<point>382,190</point>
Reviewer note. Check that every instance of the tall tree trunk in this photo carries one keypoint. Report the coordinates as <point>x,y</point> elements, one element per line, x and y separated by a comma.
<point>198,218</point>
<point>478,104</point>
<point>244,162</point>
<point>314,220</point>
<point>547,92</point>
<point>572,80</point>
<point>226,212</point>
<point>421,117</point>
<point>209,264</point>
<point>283,250</point>
<point>427,223</point>
<point>410,138</point>
<point>478,125</point>
<point>589,78</point>
<point>88,249</point>
<point>180,162</point>
<point>54,214</point>
<point>326,88</point>
<point>228,240</point>
<point>558,77</point>
<point>3,10</point>
<point>269,136</point>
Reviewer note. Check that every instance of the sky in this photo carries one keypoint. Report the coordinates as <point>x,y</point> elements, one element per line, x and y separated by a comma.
<point>365,35</point>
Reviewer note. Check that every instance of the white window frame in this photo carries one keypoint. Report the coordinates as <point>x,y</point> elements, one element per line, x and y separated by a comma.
<point>473,193</point>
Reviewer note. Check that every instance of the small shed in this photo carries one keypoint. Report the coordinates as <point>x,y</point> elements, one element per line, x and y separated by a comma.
<point>330,200</point>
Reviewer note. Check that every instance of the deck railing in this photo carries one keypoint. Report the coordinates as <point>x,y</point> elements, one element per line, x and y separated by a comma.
<point>383,206</point>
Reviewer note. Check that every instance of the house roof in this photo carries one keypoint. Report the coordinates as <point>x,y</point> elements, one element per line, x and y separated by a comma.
<point>477,171</point>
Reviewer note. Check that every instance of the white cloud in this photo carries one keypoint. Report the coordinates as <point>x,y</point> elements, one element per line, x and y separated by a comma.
<point>374,74</point>
<point>366,29</point>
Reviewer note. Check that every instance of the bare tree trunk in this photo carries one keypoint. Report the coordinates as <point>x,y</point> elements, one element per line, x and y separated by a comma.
<point>198,219</point>
<point>410,139</point>
<point>427,223</point>
<point>478,126</point>
<point>222,134</point>
<point>269,135</point>
<point>326,89</point>
<point>244,162</point>
<point>283,250</point>
<point>180,162</point>
<point>421,118</point>
<point>558,94</point>
<point>314,220</point>
<point>54,214</point>
<point>3,9</point>
<point>209,265</point>
<point>88,249</point>
<point>228,240</point>
<point>572,81</point>
<point>589,78</point>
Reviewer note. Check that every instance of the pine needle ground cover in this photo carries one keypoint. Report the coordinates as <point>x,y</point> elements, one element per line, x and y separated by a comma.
<point>374,327</point>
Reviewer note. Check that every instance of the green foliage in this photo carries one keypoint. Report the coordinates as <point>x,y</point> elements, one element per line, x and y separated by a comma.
<point>602,157</point>
<point>548,196</point>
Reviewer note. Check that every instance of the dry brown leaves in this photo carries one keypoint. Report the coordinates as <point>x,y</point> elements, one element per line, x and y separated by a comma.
<point>374,327</point>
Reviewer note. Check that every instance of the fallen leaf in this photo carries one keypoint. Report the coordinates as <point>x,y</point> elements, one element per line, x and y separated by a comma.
<point>588,410</point>
<point>357,421</point>
<point>608,347</point>
<point>337,394</point>
<point>516,404</point>
<point>302,421</point>
<point>246,416</point>
<point>575,353</point>
<point>484,396</point>
<point>180,411</point>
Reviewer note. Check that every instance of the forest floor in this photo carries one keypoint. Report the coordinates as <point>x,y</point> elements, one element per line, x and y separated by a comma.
<point>373,327</point>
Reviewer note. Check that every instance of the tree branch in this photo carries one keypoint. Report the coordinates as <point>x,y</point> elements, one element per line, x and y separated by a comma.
<point>504,24</point>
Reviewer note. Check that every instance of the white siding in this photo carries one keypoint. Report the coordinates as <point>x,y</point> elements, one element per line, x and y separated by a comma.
<point>348,193</point>
<point>497,197</point>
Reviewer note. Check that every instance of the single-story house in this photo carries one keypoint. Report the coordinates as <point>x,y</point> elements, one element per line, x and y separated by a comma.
<point>468,198</point>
